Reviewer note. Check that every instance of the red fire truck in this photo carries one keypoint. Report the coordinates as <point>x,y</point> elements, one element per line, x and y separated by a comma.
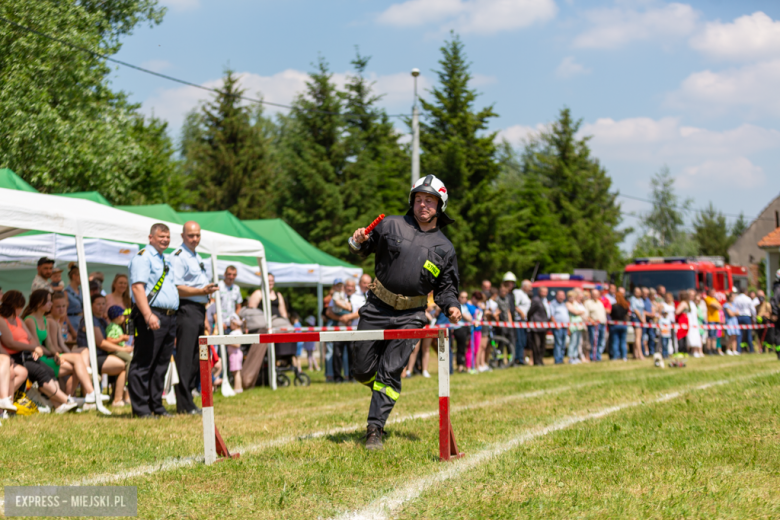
<point>679,273</point>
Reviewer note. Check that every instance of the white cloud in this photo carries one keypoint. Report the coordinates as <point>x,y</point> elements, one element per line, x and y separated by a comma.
<point>735,172</point>
<point>181,5</point>
<point>470,16</point>
<point>519,134</point>
<point>613,28</point>
<point>666,140</point>
<point>749,37</point>
<point>174,103</point>
<point>752,89</point>
<point>282,88</point>
<point>156,65</point>
<point>570,68</point>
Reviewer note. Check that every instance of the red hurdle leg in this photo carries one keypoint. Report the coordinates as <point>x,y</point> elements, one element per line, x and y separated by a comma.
<point>212,441</point>
<point>207,397</point>
<point>448,448</point>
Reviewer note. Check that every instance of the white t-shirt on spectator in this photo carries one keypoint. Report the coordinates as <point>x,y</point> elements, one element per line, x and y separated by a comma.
<point>357,300</point>
<point>229,297</point>
<point>522,300</point>
<point>744,305</point>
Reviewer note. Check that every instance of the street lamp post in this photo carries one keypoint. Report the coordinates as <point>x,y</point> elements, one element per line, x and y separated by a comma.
<point>415,132</point>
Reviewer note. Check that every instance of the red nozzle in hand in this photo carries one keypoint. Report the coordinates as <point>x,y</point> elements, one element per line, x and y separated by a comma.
<point>374,224</point>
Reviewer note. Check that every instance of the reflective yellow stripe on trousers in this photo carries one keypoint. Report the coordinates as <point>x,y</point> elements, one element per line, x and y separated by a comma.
<point>389,392</point>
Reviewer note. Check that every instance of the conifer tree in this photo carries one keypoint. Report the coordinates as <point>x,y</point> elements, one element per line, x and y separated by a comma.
<point>341,161</point>
<point>312,159</point>
<point>457,148</point>
<point>579,193</point>
<point>227,162</point>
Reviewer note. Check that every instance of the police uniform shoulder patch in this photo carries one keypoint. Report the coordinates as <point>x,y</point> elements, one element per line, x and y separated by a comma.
<point>142,251</point>
<point>177,253</point>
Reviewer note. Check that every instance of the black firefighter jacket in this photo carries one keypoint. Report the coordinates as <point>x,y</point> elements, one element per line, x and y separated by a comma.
<point>413,262</point>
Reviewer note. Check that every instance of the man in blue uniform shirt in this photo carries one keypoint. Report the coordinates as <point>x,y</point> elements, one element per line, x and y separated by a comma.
<point>192,282</point>
<point>154,316</point>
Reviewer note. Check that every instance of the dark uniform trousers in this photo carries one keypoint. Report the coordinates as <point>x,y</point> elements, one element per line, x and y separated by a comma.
<point>338,359</point>
<point>189,326</point>
<point>538,341</point>
<point>379,364</point>
<point>151,356</point>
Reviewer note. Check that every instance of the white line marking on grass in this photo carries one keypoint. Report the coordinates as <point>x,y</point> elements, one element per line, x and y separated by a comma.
<point>383,508</point>
<point>176,463</point>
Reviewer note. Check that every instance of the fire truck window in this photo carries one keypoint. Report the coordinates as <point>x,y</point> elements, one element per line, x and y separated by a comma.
<point>709,280</point>
<point>700,281</point>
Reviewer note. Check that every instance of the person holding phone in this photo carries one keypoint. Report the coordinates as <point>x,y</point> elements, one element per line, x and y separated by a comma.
<point>194,287</point>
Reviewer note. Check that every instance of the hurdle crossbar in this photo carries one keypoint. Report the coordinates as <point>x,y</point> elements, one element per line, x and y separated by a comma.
<point>212,441</point>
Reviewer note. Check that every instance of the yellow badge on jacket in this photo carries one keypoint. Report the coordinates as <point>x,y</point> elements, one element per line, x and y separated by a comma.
<point>432,268</point>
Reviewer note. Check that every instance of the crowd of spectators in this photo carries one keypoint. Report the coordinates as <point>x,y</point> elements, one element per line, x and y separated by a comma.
<point>43,338</point>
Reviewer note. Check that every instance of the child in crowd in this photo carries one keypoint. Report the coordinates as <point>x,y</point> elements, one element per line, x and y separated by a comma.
<point>115,333</point>
<point>340,303</point>
<point>308,346</point>
<point>235,354</point>
<point>56,283</point>
<point>665,323</point>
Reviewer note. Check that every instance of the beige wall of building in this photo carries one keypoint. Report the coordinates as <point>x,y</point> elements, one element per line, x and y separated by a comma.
<point>745,250</point>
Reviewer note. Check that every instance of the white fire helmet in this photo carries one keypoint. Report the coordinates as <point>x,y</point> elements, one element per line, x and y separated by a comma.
<point>510,277</point>
<point>431,184</point>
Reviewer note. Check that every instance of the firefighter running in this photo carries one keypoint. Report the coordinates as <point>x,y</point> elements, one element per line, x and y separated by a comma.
<point>413,258</point>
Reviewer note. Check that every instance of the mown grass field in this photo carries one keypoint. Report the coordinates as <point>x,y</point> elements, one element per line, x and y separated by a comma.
<point>608,440</point>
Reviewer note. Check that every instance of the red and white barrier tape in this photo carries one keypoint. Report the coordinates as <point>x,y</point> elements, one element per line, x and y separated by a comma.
<point>535,325</point>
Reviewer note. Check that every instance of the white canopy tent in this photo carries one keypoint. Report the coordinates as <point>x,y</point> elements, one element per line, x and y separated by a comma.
<point>22,211</point>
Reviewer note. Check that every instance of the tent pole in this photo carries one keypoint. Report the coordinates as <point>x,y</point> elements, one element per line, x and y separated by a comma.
<point>90,328</point>
<point>269,323</point>
<point>319,303</point>
<point>319,320</point>
<point>227,391</point>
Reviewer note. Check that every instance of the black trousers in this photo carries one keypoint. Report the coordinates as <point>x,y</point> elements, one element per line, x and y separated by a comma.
<point>338,360</point>
<point>537,340</point>
<point>379,364</point>
<point>189,326</point>
<point>151,356</point>
<point>461,336</point>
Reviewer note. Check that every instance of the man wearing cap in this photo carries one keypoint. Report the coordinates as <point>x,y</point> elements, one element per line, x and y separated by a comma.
<point>41,280</point>
<point>413,258</point>
<point>154,315</point>
<point>194,288</point>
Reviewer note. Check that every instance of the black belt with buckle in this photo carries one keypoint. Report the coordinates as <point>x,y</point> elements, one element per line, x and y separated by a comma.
<point>167,312</point>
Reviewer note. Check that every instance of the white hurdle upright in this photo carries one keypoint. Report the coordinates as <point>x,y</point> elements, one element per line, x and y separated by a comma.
<point>215,448</point>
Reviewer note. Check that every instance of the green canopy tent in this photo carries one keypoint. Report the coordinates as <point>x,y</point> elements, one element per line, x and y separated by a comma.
<point>11,181</point>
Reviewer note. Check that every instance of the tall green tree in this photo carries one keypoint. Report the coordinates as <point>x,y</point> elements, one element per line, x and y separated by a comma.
<point>342,164</point>
<point>711,232</point>
<point>64,129</point>
<point>527,230</point>
<point>226,156</point>
<point>579,191</point>
<point>739,227</point>
<point>664,231</point>
<point>458,148</point>
<point>312,159</point>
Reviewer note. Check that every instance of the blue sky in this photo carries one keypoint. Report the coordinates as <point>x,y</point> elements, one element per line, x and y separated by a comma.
<point>691,85</point>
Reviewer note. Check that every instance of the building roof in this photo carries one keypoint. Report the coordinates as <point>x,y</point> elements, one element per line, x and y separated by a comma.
<point>771,240</point>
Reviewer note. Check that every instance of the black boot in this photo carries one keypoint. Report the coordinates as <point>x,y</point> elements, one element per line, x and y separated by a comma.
<point>374,438</point>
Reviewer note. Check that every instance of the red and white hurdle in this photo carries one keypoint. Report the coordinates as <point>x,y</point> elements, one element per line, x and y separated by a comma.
<point>215,448</point>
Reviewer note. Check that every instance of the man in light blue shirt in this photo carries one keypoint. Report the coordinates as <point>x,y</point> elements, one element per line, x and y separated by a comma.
<point>154,316</point>
<point>559,314</point>
<point>192,283</point>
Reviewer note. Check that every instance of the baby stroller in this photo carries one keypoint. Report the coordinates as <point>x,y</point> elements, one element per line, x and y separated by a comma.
<point>285,352</point>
